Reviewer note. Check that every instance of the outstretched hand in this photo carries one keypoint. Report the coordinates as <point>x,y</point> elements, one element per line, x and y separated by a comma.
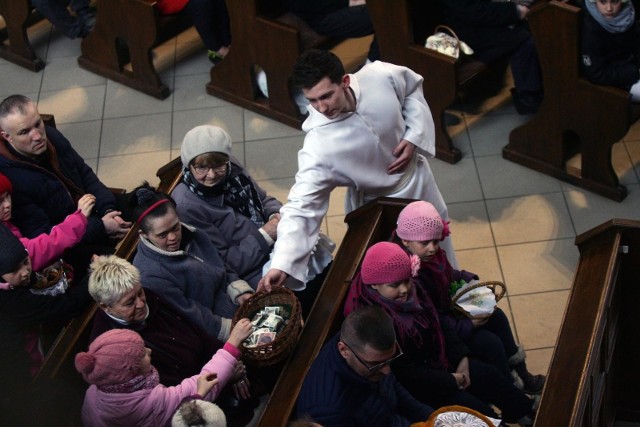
<point>115,226</point>
<point>86,204</point>
<point>240,332</point>
<point>206,382</point>
<point>273,278</point>
<point>403,153</point>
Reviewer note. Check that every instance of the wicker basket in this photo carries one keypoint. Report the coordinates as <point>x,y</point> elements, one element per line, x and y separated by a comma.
<point>286,339</point>
<point>497,288</point>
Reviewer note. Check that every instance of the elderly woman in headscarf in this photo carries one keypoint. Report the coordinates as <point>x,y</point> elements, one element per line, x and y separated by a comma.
<point>218,196</point>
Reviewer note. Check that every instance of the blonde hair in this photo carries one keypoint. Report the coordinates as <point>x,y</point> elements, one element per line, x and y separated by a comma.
<point>111,277</point>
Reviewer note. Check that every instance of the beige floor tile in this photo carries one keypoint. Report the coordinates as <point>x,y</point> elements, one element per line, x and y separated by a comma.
<point>459,182</point>
<point>62,73</point>
<point>21,81</point>
<point>83,136</point>
<point>539,360</point>
<point>228,117</point>
<point>138,134</point>
<point>190,93</point>
<point>278,188</point>
<point>538,267</point>
<point>502,178</point>
<point>634,132</point>
<point>336,202</point>
<point>530,218</point>
<point>488,139</point>
<point>589,210</point>
<point>470,228</point>
<point>261,127</point>
<point>483,262</point>
<point>633,147</point>
<point>123,101</point>
<point>264,163</point>
<point>128,171</point>
<point>538,317</point>
<point>622,163</point>
<point>74,104</point>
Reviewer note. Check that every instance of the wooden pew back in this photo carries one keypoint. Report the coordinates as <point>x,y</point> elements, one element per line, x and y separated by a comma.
<point>370,224</point>
<point>18,16</point>
<point>575,115</point>
<point>401,29</point>
<point>593,378</point>
<point>267,36</point>
<point>127,31</point>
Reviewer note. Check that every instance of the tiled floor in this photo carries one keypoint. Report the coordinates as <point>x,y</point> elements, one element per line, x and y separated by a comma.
<point>509,223</point>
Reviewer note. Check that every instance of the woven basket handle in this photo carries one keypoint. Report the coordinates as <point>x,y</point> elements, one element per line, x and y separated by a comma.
<point>444,27</point>
<point>499,293</point>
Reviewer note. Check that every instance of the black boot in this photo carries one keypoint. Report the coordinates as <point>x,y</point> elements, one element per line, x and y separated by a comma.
<point>532,384</point>
<point>526,102</point>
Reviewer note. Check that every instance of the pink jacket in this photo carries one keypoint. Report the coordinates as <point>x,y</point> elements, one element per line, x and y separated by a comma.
<point>47,248</point>
<point>153,407</point>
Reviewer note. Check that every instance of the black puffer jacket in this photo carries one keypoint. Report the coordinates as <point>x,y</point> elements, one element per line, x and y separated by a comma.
<point>41,199</point>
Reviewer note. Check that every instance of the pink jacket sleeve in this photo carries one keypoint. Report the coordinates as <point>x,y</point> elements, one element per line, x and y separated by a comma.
<point>166,400</point>
<point>47,248</point>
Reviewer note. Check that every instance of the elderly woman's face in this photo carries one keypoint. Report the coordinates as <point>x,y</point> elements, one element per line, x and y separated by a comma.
<point>206,173</point>
<point>131,307</point>
<point>165,232</point>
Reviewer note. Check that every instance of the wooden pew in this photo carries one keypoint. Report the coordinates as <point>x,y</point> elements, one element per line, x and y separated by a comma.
<point>126,31</point>
<point>74,337</point>
<point>265,35</point>
<point>370,224</point>
<point>575,115</point>
<point>401,29</point>
<point>18,16</point>
<point>593,378</point>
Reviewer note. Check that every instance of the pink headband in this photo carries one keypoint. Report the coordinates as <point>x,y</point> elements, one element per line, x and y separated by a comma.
<point>150,208</point>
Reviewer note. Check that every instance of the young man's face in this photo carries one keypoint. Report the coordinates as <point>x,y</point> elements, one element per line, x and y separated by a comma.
<point>330,99</point>
<point>369,357</point>
<point>25,132</point>
<point>21,276</point>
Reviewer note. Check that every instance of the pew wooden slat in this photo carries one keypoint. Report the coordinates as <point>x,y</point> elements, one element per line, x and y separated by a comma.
<point>576,116</point>
<point>593,375</point>
<point>18,16</point>
<point>370,224</point>
<point>127,31</point>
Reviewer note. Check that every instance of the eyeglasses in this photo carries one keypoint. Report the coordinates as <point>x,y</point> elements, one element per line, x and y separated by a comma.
<point>377,366</point>
<point>217,170</point>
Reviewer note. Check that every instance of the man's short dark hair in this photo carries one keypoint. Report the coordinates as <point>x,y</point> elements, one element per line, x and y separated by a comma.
<point>313,66</point>
<point>370,326</point>
<point>12,103</point>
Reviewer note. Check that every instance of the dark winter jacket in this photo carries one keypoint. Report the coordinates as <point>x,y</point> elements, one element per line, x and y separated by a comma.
<point>610,58</point>
<point>333,395</point>
<point>41,198</point>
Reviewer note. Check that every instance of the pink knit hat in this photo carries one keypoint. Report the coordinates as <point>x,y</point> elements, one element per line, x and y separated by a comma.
<point>387,262</point>
<point>420,221</point>
<point>113,358</point>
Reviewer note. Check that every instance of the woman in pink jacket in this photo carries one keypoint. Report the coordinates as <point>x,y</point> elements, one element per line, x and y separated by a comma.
<point>47,248</point>
<point>125,389</point>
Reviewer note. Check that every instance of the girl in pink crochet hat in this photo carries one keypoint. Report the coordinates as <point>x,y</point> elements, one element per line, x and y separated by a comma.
<point>420,230</point>
<point>125,387</point>
<point>435,366</point>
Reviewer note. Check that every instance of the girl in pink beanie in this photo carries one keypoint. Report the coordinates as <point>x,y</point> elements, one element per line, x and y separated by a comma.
<point>125,387</point>
<point>420,230</point>
<point>435,366</point>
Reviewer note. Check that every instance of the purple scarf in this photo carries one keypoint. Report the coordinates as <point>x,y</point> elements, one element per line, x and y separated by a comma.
<point>140,382</point>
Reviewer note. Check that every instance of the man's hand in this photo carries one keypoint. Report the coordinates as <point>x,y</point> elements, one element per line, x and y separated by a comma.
<point>274,277</point>
<point>115,226</point>
<point>523,11</point>
<point>357,2</point>
<point>404,153</point>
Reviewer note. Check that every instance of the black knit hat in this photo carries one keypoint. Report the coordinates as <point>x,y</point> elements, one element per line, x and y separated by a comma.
<point>12,251</point>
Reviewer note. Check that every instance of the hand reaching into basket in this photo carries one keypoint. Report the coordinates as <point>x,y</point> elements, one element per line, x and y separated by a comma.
<point>240,332</point>
<point>274,277</point>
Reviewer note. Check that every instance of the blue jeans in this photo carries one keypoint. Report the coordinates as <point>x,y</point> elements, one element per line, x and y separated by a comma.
<point>57,13</point>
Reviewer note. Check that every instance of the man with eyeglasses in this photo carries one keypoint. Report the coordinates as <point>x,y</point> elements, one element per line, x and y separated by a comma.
<point>351,384</point>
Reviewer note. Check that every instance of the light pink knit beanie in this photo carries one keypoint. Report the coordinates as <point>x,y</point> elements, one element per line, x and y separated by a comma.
<point>420,221</point>
<point>113,358</point>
